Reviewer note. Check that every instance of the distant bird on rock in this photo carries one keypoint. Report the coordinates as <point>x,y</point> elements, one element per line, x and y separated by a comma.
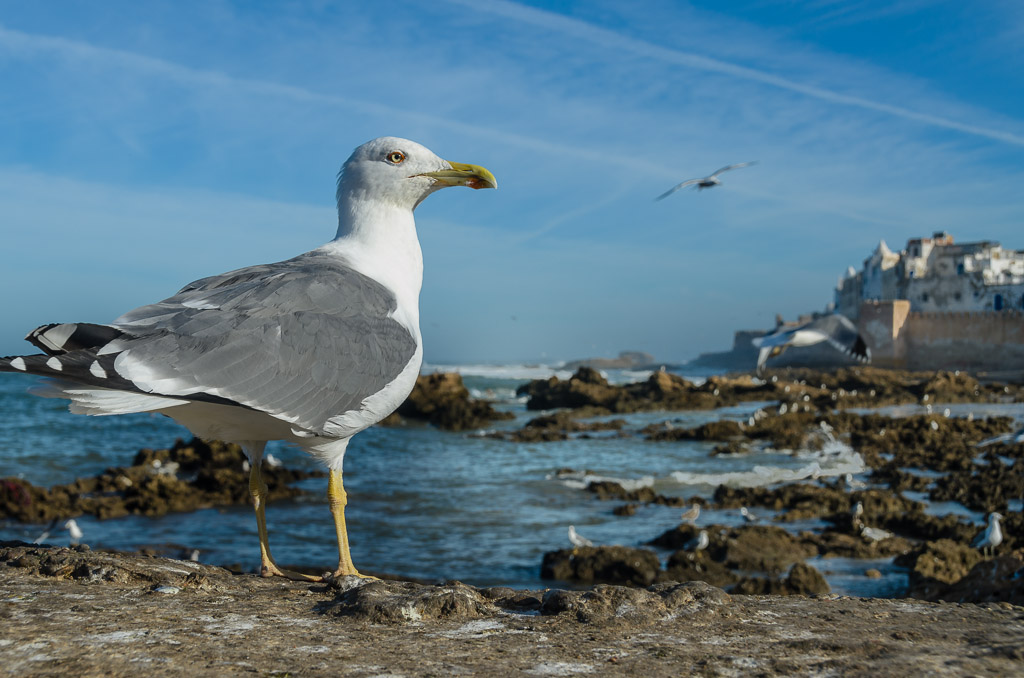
<point>691,514</point>
<point>747,515</point>
<point>576,540</point>
<point>74,531</point>
<point>874,533</point>
<point>698,543</point>
<point>992,537</point>
<point>709,181</point>
<point>836,329</point>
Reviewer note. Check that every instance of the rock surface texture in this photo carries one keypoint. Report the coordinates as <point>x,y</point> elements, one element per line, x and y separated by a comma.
<point>82,613</point>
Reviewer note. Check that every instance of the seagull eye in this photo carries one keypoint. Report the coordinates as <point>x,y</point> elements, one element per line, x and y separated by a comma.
<point>396,157</point>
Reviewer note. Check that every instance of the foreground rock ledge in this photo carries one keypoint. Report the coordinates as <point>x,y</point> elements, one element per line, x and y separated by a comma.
<point>77,612</point>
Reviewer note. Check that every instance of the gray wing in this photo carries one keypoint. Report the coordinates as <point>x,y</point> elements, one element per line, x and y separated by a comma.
<point>688,182</point>
<point>732,167</point>
<point>842,334</point>
<point>304,340</point>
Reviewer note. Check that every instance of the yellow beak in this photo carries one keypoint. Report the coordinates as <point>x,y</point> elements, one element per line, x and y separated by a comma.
<point>462,174</point>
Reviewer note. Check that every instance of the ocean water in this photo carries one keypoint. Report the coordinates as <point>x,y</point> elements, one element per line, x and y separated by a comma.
<point>422,502</point>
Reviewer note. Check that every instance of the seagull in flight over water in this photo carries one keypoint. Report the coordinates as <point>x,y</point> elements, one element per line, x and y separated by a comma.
<point>311,350</point>
<point>710,181</point>
<point>836,329</point>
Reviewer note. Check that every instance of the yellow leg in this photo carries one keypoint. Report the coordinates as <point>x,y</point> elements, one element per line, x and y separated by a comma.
<point>337,498</point>
<point>268,568</point>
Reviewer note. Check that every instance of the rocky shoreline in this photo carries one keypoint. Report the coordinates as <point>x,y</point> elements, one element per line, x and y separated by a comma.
<point>78,612</point>
<point>738,574</point>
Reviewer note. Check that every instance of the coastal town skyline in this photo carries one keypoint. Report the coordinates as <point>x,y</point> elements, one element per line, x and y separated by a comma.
<point>153,145</point>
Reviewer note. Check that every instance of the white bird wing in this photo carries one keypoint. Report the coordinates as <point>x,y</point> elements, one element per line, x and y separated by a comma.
<point>731,167</point>
<point>302,340</point>
<point>688,182</point>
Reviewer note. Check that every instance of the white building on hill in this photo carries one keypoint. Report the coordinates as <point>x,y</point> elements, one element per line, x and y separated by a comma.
<point>935,274</point>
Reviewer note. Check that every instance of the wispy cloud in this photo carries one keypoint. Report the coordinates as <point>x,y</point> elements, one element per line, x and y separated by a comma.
<point>612,40</point>
<point>76,50</point>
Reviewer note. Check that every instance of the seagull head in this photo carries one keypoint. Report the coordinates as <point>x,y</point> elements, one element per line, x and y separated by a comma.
<point>402,173</point>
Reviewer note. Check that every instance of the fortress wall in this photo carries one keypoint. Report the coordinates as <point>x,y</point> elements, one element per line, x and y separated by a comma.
<point>929,340</point>
<point>988,340</point>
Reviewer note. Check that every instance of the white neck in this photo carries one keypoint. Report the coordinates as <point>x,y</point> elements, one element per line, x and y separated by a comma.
<point>378,239</point>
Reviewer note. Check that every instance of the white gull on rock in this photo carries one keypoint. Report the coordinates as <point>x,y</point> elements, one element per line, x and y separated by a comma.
<point>310,350</point>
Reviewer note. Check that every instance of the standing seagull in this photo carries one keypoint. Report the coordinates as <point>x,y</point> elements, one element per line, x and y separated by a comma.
<point>704,182</point>
<point>991,537</point>
<point>691,514</point>
<point>311,350</point>
<point>836,329</point>
<point>578,540</point>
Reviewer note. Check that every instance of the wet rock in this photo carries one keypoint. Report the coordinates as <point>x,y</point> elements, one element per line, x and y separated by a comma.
<point>587,388</point>
<point>605,605</point>
<point>606,490</point>
<point>610,490</point>
<point>801,580</point>
<point>398,602</point>
<point>698,566</point>
<point>999,579</point>
<point>899,481</point>
<point>987,486</point>
<point>557,426</point>
<point>715,430</point>
<point>764,548</point>
<point>612,564</point>
<point>185,477</point>
<point>625,510</point>
<point>935,564</point>
<point>833,544</point>
<point>443,400</point>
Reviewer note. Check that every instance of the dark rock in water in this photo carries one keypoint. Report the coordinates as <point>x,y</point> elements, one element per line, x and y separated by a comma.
<point>1000,579</point>
<point>698,566</point>
<point>936,564</point>
<point>715,430</point>
<point>764,548</point>
<point>801,580</point>
<point>557,426</point>
<point>443,400</point>
<point>391,602</point>
<point>609,489</point>
<point>186,477</point>
<point>613,564</point>
<point>832,544</point>
<point>988,486</point>
<point>587,388</point>
<point>624,510</point>
<point>898,480</point>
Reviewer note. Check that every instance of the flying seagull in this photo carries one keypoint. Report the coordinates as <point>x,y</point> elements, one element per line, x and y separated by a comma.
<point>310,350</point>
<point>836,329</point>
<point>1007,438</point>
<point>709,181</point>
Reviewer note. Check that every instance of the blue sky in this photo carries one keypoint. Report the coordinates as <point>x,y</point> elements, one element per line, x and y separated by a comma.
<point>145,145</point>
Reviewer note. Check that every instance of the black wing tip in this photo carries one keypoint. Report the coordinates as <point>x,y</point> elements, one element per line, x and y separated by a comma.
<point>860,350</point>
